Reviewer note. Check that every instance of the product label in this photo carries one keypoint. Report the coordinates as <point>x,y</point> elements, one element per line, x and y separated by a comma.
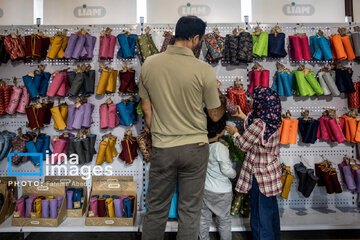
<point>16,214</point>
<point>91,214</point>
<point>32,215</point>
<point>77,205</point>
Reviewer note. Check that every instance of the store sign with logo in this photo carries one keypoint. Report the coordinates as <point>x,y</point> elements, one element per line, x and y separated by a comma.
<point>213,11</point>
<point>298,9</point>
<point>89,12</point>
<point>197,10</point>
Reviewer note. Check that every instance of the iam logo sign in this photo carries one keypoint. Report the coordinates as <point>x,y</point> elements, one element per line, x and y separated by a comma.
<point>36,158</point>
<point>298,9</point>
<point>89,11</point>
<point>197,10</point>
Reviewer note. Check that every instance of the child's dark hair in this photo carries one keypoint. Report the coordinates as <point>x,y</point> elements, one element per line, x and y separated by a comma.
<point>215,128</point>
<point>188,27</point>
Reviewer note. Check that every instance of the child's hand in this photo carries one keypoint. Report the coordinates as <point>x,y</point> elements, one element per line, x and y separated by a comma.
<point>231,130</point>
<point>239,113</point>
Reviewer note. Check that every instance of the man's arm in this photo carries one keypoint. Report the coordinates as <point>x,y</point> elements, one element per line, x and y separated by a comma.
<point>216,113</point>
<point>146,108</point>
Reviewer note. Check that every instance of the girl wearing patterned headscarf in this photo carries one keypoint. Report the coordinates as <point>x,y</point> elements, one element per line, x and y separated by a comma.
<point>261,172</point>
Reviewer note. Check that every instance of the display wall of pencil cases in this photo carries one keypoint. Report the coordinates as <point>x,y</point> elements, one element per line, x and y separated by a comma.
<point>81,81</point>
<point>107,150</point>
<point>127,42</point>
<point>258,77</point>
<point>320,47</point>
<point>107,81</point>
<point>80,45</point>
<point>344,80</point>
<point>127,80</point>
<point>129,148</point>
<point>300,85</point>
<point>331,127</point>
<point>299,48</point>
<point>59,85</point>
<point>341,47</point>
<point>36,46</point>
<point>237,95</point>
<point>37,83</point>
<point>354,98</point>
<point>58,44</point>
<point>126,110</point>
<point>355,39</point>
<point>39,115</point>
<point>276,46</point>
<point>40,144</point>
<point>286,179</point>
<point>306,179</point>
<point>83,145</point>
<point>107,44</point>
<point>288,131</point>
<point>260,43</point>
<point>308,128</point>
<point>327,82</point>
<point>328,177</point>
<point>108,115</point>
<point>283,83</point>
<point>215,44</point>
<point>350,130</point>
<point>350,173</point>
<point>238,48</point>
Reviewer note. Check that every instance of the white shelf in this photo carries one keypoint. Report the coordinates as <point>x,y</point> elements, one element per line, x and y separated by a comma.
<point>6,226</point>
<point>303,219</point>
<point>291,220</point>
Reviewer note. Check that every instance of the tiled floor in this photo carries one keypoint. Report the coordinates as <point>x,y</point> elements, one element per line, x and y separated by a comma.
<point>308,235</point>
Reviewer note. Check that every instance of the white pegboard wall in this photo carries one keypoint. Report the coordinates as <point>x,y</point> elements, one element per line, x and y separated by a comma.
<point>18,69</point>
<point>296,104</point>
<point>225,73</point>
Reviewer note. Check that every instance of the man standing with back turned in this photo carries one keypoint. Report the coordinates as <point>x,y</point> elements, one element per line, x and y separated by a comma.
<point>174,86</point>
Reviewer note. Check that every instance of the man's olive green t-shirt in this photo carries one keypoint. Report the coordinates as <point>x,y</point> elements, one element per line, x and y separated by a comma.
<point>178,85</point>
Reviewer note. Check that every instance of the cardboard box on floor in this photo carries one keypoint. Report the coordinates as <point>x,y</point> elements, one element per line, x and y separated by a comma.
<point>10,184</point>
<point>44,189</point>
<point>5,208</point>
<point>72,182</point>
<point>112,185</point>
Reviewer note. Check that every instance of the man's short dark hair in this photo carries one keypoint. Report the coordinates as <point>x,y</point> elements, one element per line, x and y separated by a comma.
<point>188,27</point>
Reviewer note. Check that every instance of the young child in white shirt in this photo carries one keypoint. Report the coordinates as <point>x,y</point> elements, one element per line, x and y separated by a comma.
<point>218,188</point>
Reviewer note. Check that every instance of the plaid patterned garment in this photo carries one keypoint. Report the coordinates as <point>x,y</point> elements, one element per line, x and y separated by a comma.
<point>261,160</point>
<point>261,141</point>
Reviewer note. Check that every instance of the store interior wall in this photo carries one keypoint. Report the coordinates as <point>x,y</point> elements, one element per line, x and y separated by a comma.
<point>164,11</point>
<point>356,5</point>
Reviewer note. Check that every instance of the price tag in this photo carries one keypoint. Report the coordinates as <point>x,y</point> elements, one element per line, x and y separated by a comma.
<point>77,205</point>
<point>32,215</point>
<point>16,214</point>
<point>82,199</point>
<point>91,214</point>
